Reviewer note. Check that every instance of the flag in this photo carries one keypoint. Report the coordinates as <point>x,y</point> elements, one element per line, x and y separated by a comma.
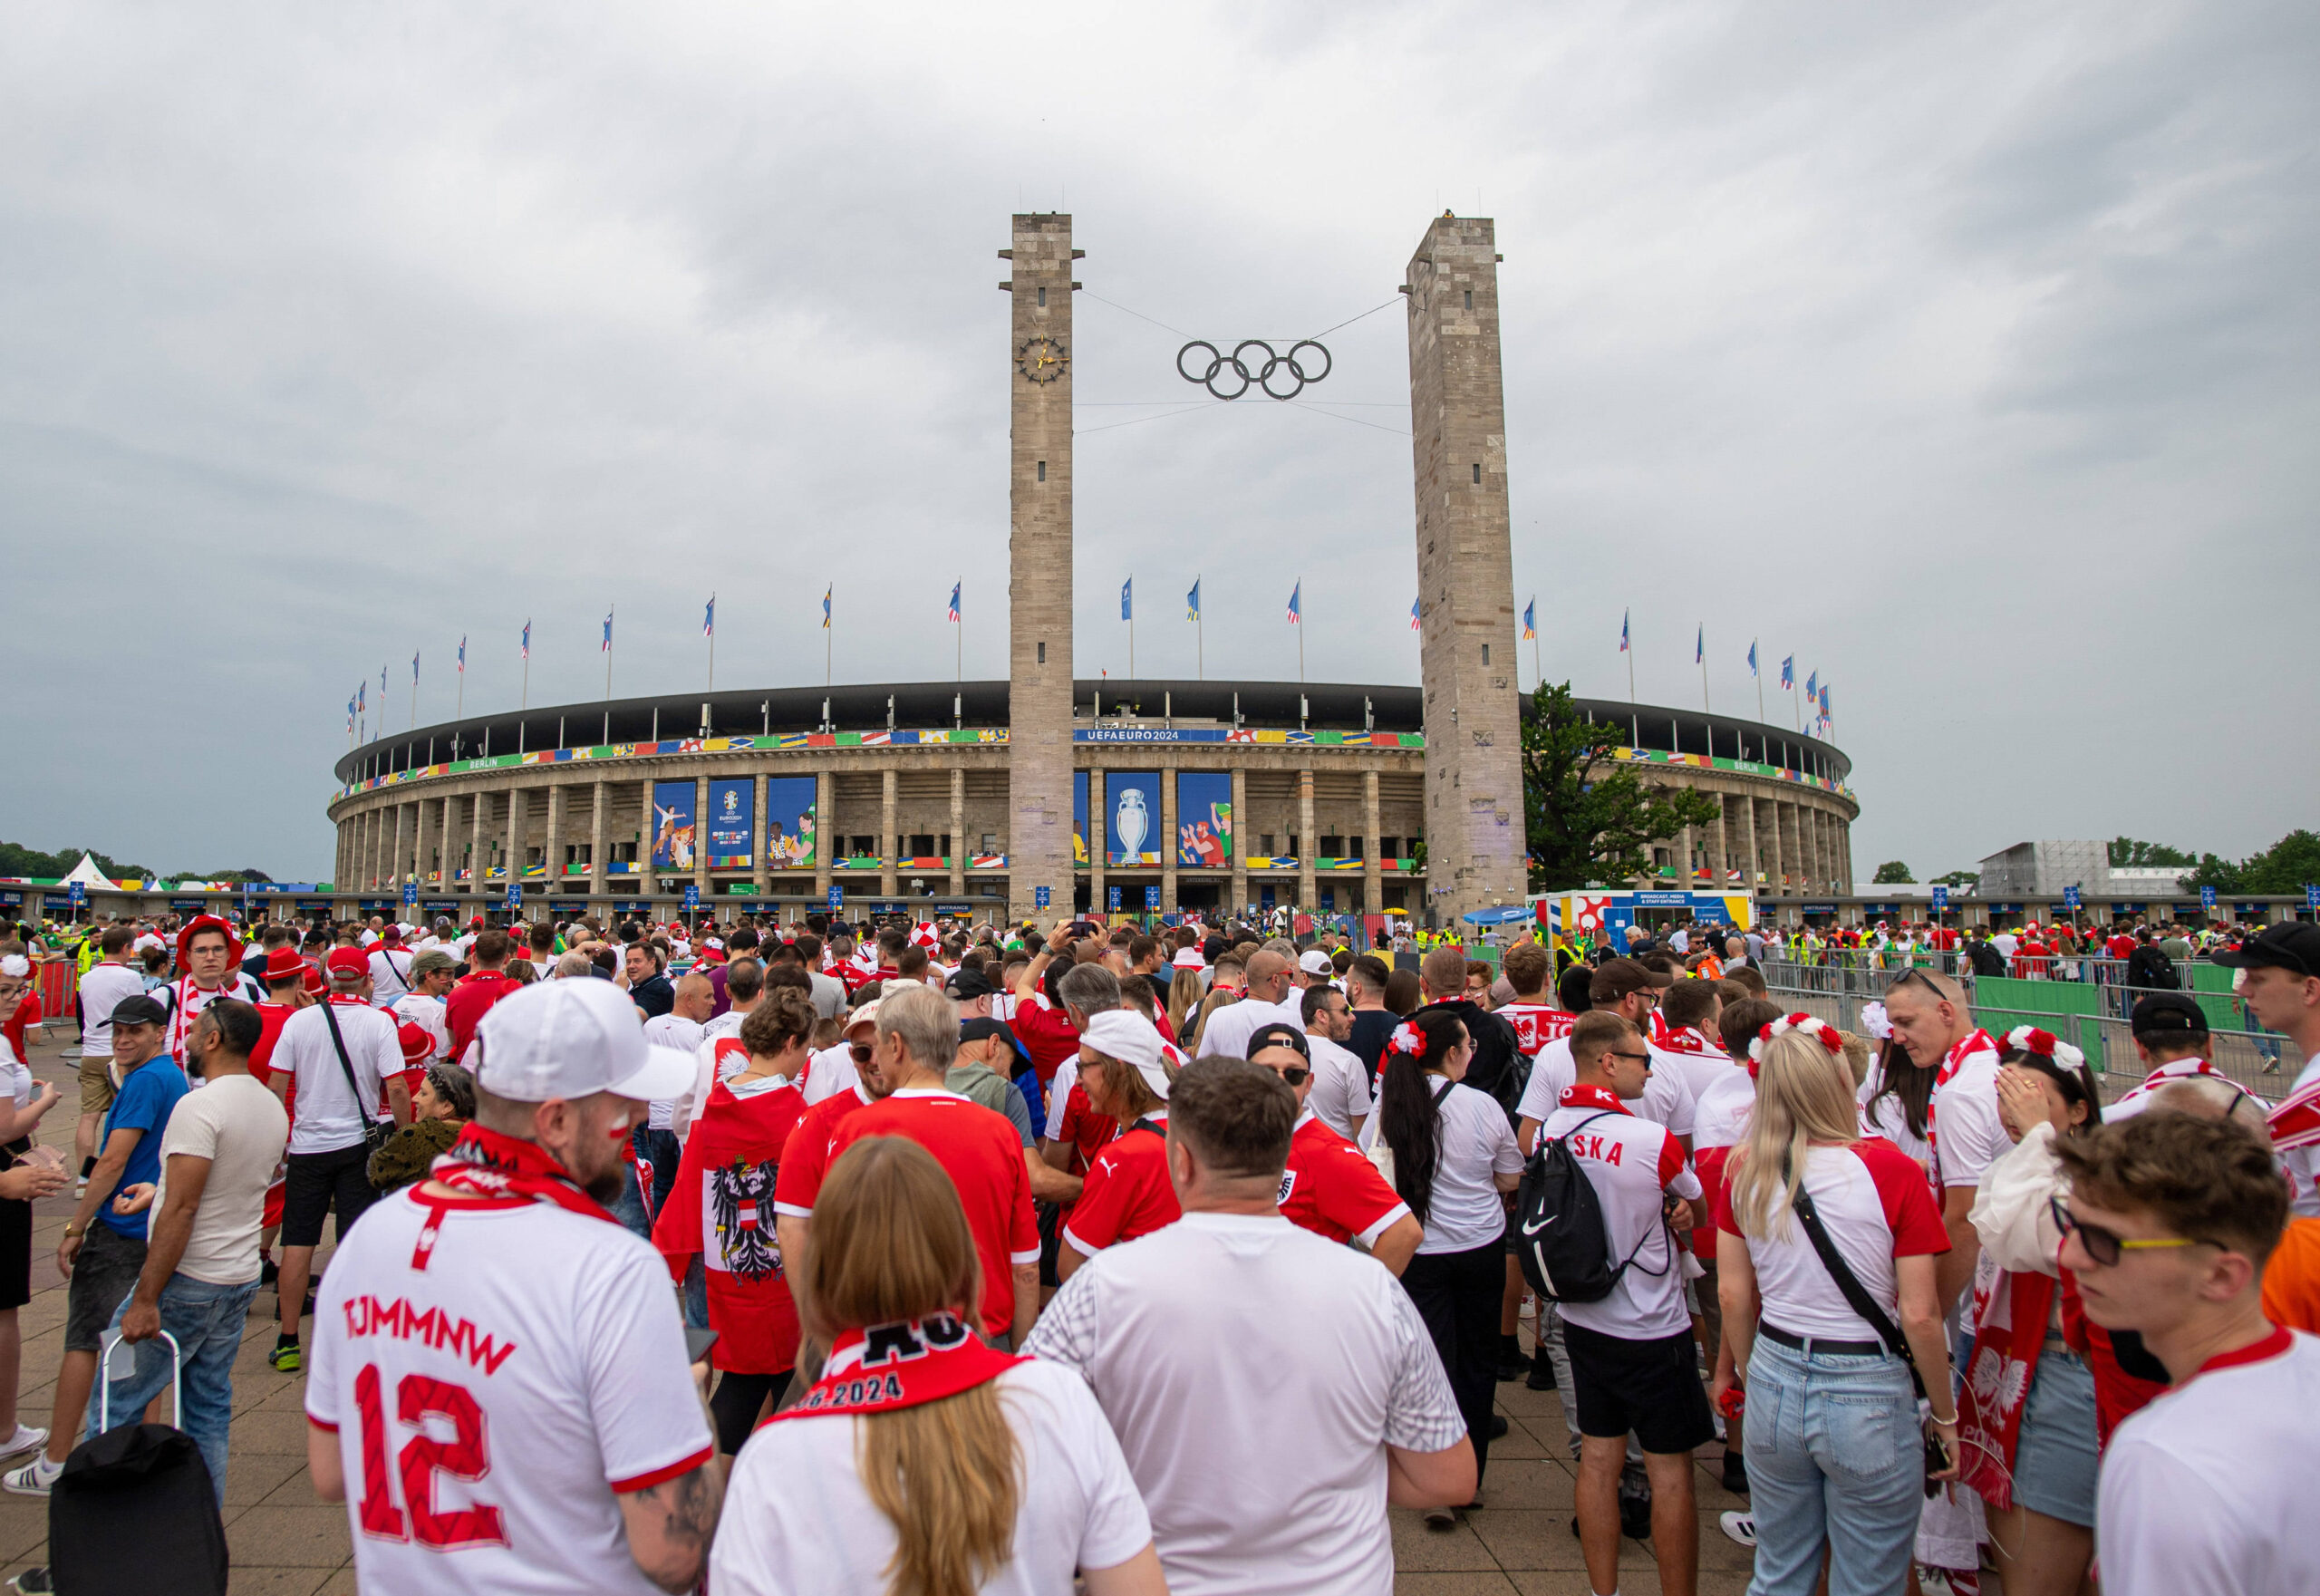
<point>1191,602</point>
<point>528,636</point>
<point>383,683</point>
<point>1788,671</point>
<point>1699,647</point>
<point>607,647</point>
<point>1824,700</point>
<point>1623,631</point>
<point>1127,595</point>
<point>826,604</point>
<point>463,649</point>
<point>362,695</point>
<point>953,615</point>
<point>1811,685</point>
<point>1530,621</point>
<point>414,670</point>
<point>1414,620</point>
<point>709,618</point>
<point>1752,656</point>
<point>1295,607</point>
<point>350,714</point>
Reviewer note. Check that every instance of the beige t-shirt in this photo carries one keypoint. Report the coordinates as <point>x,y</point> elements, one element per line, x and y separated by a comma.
<point>240,1126</point>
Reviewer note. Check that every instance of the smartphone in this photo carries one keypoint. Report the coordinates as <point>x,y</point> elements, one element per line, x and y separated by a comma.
<point>697,1344</point>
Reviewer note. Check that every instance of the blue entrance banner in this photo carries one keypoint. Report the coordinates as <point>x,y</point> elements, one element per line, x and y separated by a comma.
<point>732,825</point>
<point>1079,818</point>
<point>673,828</point>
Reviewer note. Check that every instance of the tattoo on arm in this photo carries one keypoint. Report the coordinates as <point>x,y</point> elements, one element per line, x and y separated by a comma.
<point>679,1517</point>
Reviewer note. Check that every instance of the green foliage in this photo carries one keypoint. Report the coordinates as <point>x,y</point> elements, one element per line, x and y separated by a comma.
<point>1890,872</point>
<point>2282,869</point>
<point>1959,878</point>
<point>1585,817</point>
<point>2127,852</point>
<point>16,859</point>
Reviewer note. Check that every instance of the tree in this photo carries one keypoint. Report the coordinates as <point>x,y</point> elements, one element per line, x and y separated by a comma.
<point>2282,869</point>
<point>2127,854</point>
<point>1965,878</point>
<point>1892,872</point>
<point>16,859</point>
<point>1586,816</point>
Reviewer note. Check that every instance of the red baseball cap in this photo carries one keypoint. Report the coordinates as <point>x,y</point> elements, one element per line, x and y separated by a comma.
<point>354,960</point>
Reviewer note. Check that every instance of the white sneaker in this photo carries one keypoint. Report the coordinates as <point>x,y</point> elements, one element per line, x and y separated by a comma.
<point>26,1437</point>
<point>32,1480</point>
<point>1739,1526</point>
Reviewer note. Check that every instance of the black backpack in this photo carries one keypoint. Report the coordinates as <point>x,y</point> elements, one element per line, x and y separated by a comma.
<point>1560,1238</point>
<point>2148,966</point>
<point>134,1510</point>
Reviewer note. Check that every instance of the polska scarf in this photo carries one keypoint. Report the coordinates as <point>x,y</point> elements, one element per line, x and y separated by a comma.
<point>1975,1041</point>
<point>2010,1322</point>
<point>887,1367</point>
<point>489,1168</point>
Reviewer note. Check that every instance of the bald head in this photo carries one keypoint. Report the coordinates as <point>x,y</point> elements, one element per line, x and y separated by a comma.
<point>1270,974</point>
<point>696,998</point>
<point>2210,1097</point>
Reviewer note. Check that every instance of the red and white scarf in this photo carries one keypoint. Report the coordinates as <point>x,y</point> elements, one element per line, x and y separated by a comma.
<point>890,1366</point>
<point>489,1168</point>
<point>1690,1041</point>
<point>1975,1041</point>
<point>2295,1123</point>
<point>1588,1095</point>
<point>2010,1321</point>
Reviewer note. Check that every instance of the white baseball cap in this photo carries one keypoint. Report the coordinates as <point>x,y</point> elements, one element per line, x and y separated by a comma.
<point>571,1039</point>
<point>1127,1036</point>
<point>1314,962</point>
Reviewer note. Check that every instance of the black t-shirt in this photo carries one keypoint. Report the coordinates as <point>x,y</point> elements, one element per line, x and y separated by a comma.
<point>1371,1030</point>
<point>656,997</point>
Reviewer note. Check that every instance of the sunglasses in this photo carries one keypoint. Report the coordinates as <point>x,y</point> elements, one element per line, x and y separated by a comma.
<point>2105,1247</point>
<point>1294,1075</point>
<point>861,1051</point>
<point>1643,1058</point>
<point>1922,979</point>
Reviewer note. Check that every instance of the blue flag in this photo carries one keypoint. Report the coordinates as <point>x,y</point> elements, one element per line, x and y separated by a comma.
<point>1699,647</point>
<point>1752,657</point>
<point>1127,590</point>
<point>709,618</point>
<point>1530,625</point>
<point>1623,631</point>
<point>608,634</point>
<point>1788,671</point>
<point>826,604</point>
<point>1811,685</point>
<point>1191,602</point>
<point>463,651</point>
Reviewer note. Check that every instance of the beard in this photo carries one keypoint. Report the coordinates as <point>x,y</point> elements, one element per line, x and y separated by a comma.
<point>605,1188</point>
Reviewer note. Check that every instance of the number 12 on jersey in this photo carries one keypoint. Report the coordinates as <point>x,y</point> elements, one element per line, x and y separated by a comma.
<point>466,1457</point>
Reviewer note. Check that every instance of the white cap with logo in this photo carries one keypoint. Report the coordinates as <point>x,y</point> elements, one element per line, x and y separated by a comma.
<point>573,1039</point>
<point>1314,962</point>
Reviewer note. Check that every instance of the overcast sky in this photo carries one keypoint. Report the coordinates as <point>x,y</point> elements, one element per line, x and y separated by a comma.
<point>1967,354</point>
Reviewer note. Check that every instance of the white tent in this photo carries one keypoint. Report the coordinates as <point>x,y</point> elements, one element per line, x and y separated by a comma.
<point>87,874</point>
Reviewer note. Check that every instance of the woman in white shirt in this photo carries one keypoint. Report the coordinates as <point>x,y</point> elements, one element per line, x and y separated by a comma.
<point>1833,1451</point>
<point>1453,1156</point>
<point>923,1461</point>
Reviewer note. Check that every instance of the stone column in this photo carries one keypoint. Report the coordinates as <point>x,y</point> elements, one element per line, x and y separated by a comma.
<point>479,807</point>
<point>1309,898</point>
<point>958,831</point>
<point>760,855</point>
<point>338,856</point>
<point>825,833</point>
<point>889,847</point>
<point>701,837</point>
<point>1239,854</point>
<point>1098,843</point>
<point>599,804</point>
<point>420,843</point>
<point>443,845</point>
<point>1684,846</point>
<point>1719,858</point>
<point>552,843</point>
<point>1373,870</point>
<point>519,801</point>
<point>1168,824</point>
<point>370,829</point>
<point>646,826</point>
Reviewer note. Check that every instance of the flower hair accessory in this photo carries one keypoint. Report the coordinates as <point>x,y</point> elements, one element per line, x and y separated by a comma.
<point>1812,1025</point>
<point>1408,1039</point>
<point>2045,1044</point>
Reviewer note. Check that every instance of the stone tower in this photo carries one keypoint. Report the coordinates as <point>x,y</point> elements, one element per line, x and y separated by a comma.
<point>1039,564</point>
<point>1474,772</point>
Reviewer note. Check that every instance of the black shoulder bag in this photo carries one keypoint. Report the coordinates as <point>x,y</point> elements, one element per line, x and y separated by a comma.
<point>374,1135</point>
<point>1856,1297</point>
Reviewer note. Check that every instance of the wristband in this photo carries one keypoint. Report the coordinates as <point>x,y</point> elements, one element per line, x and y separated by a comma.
<point>70,1232</point>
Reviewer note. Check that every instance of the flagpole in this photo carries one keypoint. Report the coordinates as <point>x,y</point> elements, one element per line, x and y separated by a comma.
<point>1300,631</point>
<point>414,699</point>
<point>1701,650</point>
<point>608,659</point>
<point>961,624</point>
<point>527,701</point>
<point>1757,671</point>
<point>830,644</point>
<point>1131,628</point>
<point>712,642</point>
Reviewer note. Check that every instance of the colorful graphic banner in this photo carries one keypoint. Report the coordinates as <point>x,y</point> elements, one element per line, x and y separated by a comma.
<point>1204,819</point>
<point>1079,818</point>
<point>790,822</point>
<point>672,824</point>
<point>732,825</point>
<point>1131,817</point>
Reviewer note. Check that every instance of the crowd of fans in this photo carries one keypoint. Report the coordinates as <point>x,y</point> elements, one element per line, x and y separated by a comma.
<point>941,1258</point>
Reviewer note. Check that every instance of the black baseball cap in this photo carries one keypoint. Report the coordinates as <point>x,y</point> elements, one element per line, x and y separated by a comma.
<point>975,1029</point>
<point>2293,946</point>
<point>1279,1034</point>
<point>969,984</point>
<point>140,1009</point>
<point>2164,1014</point>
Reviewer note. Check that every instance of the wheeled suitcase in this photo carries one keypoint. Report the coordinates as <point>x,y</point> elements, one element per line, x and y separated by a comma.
<point>134,1509</point>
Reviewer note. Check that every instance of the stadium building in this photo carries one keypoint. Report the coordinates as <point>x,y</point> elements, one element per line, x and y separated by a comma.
<point>1044,790</point>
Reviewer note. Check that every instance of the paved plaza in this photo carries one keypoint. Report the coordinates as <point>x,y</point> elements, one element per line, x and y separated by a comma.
<point>286,1543</point>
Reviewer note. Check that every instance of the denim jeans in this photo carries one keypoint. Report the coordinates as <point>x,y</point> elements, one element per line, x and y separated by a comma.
<point>661,1149</point>
<point>208,1321</point>
<point>1834,1455</point>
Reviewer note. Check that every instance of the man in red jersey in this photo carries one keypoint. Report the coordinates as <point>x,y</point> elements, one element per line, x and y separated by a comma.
<point>979,1149</point>
<point>486,984</point>
<point>1329,1186</point>
<point>1043,1022</point>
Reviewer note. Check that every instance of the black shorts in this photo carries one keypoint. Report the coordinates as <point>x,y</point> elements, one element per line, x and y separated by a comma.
<point>103,1275</point>
<point>315,1183</point>
<point>15,1253</point>
<point>1651,1388</point>
<point>1050,1220</point>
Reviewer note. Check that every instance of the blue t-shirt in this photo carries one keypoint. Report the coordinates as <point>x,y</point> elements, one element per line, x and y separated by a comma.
<point>143,1103</point>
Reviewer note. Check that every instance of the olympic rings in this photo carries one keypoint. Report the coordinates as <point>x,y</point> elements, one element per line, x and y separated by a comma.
<point>1261,375</point>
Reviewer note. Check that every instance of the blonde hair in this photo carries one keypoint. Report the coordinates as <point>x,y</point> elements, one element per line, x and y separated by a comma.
<point>890,1242</point>
<point>1804,1094</point>
<point>1185,993</point>
<point>1221,998</point>
<point>1131,1095</point>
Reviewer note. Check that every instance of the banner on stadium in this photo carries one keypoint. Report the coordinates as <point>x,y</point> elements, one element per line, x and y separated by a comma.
<point>732,825</point>
<point>672,824</point>
<point>789,821</point>
<point>1079,818</point>
<point>1131,818</point>
<point>1205,818</point>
